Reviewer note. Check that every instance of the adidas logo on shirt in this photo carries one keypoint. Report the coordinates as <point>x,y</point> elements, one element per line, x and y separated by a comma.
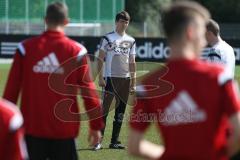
<point>183,110</point>
<point>48,64</point>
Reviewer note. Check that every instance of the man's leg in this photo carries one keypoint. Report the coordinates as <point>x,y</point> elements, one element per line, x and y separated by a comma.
<point>63,149</point>
<point>122,93</point>
<point>107,100</point>
<point>118,119</point>
<point>38,148</point>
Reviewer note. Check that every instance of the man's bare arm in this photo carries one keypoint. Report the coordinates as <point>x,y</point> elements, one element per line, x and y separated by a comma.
<point>137,146</point>
<point>132,69</point>
<point>100,62</point>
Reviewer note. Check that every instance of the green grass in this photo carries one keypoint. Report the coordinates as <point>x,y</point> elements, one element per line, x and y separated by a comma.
<point>82,143</point>
<point>106,154</point>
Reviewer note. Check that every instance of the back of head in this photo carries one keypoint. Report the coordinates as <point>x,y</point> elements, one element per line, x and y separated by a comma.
<point>56,13</point>
<point>122,15</point>
<point>181,13</point>
<point>212,26</point>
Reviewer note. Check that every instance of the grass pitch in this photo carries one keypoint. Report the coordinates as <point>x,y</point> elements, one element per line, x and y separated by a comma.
<point>84,151</point>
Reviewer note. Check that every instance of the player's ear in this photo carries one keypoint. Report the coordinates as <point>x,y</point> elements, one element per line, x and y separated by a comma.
<point>46,20</point>
<point>66,21</point>
<point>190,32</point>
<point>211,33</point>
<point>207,34</point>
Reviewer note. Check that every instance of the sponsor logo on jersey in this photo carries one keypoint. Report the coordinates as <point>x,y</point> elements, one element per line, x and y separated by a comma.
<point>181,107</point>
<point>48,64</point>
<point>119,48</point>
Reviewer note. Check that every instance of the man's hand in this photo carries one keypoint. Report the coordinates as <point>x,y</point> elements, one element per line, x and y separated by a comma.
<point>132,88</point>
<point>101,82</point>
<point>94,137</point>
<point>140,147</point>
<point>100,62</point>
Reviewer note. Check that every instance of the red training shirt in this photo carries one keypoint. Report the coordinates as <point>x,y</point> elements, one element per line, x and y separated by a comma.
<point>189,101</point>
<point>47,70</point>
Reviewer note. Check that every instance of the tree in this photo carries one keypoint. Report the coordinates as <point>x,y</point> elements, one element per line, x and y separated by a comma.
<point>148,11</point>
<point>223,10</point>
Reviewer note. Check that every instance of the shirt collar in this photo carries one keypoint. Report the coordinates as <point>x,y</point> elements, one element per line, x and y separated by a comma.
<point>119,34</point>
<point>54,33</point>
<point>184,62</point>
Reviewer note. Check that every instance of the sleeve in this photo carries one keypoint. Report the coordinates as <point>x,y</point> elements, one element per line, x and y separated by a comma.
<point>14,81</point>
<point>16,122</point>
<point>90,96</point>
<point>133,49</point>
<point>104,42</point>
<point>16,146</point>
<point>82,51</point>
<point>230,99</point>
<point>139,119</point>
<point>230,62</point>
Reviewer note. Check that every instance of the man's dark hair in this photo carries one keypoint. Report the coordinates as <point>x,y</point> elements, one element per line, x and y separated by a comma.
<point>213,27</point>
<point>122,15</point>
<point>180,15</point>
<point>56,13</point>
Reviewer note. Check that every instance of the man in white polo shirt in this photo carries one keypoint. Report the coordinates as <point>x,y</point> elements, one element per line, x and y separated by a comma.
<point>119,78</point>
<point>220,52</point>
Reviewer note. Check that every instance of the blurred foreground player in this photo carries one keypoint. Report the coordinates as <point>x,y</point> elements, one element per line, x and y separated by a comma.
<point>198,96</point>
<point>48,69</point>
<point>12,145</point>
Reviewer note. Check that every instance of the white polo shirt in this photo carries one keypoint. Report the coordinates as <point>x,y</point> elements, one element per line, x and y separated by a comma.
<point>118,49</point>
<point>222,53</point>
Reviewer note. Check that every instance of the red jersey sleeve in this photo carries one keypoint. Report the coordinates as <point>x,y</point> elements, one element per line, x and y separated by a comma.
<point>12,145</point>
<point>139,119</point>
<point>90,96</point>
<point>230,99</point>
<point>16,146</point>
<point>14,81</point>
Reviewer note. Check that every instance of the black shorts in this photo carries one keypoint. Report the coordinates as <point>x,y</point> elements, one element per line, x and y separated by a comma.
<point>50,149</point>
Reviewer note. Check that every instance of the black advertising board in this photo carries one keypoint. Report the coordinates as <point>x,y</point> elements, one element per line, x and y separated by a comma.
<point>148,49</point>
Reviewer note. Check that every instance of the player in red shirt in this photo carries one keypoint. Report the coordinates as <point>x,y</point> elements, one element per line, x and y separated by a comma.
<point>188,99</point>
<point>12,145</point>
<point>48,70</point>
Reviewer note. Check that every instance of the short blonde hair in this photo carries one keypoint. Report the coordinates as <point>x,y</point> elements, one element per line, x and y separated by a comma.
<point>178,16</point>
<point>56,13</point>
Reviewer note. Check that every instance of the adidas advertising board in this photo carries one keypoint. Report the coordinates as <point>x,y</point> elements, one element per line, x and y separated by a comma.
<point>148,49</point>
